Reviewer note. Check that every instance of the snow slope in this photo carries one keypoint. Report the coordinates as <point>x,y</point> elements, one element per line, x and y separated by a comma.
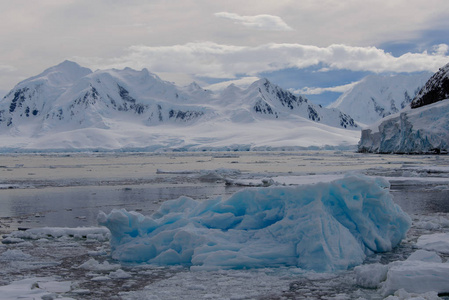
<point>421,129</point>
<point>71,107</point>
<point>377,96</point>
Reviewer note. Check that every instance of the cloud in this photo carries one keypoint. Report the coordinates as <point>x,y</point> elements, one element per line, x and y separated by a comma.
<point>7,68</point>
<point>262,22</point>
<point>441,49</point>
<point>241,83</point>
<point>319,90</point>
<point>227,61</point>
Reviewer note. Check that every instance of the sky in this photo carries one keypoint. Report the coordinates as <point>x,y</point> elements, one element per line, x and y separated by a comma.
<point>318,48</point>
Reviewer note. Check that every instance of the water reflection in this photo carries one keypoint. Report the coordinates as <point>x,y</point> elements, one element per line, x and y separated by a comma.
<point>79,206</point>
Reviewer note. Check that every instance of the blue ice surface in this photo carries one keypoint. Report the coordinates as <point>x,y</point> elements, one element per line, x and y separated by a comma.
<point>323,227</point>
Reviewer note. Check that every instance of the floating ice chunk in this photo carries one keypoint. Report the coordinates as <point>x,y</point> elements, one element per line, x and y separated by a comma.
<point>417,277</point>
<point>423,255</point>
<point>12,240</point>
<point>322,227</point>
<point>403,295</point>
<point>370,276</point>
<point>94,265</point>
<point>438,242</point>
<point>14,255</point>
<point>94,233</point>
<point>119,274</point>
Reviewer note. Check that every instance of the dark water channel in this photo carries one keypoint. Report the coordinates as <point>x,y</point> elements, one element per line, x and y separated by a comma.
<point>419,200</point>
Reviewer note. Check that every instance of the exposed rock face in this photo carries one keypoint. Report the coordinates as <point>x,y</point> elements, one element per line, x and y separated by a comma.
<point>436,89</point>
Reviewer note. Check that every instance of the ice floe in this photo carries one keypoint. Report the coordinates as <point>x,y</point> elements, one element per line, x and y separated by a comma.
<point>434,242</point>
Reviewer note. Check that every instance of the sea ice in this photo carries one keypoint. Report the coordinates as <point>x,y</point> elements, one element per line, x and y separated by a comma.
<point>322,227</point>
<point>92,233</point>
<point>94,265</point>
<point>417,277</point>
<point>35,288</point>
<point>422,275</point>
<point>438,242</point>
<point>370,276</point>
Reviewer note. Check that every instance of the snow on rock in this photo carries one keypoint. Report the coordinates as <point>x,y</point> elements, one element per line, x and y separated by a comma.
<point>436,89</point>
<point>438,242</point>
<point>322,227</point>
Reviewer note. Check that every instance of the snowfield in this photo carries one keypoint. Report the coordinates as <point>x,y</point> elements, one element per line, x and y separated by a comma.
<point>52,261</point>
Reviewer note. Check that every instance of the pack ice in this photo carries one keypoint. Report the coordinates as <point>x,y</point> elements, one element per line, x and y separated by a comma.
<point>322,227</point>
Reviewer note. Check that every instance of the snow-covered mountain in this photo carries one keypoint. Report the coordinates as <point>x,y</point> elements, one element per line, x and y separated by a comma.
<point>421,128</point>
<point>378,96</point>
<point>68,106</point>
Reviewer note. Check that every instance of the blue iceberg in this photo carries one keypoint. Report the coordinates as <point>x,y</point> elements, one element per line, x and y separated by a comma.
<point>323,227</point>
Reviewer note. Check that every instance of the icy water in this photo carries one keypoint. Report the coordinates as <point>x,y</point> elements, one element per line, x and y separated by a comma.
<point>68,190</point>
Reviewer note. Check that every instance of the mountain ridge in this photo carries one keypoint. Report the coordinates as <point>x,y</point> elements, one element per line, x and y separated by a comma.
<point>377,96</point>
<point>68,98</point>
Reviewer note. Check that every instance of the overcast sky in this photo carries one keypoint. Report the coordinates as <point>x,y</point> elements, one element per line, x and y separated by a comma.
<point>315,46</point>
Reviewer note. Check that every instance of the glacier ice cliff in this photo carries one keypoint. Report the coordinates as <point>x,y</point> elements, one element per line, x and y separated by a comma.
<point>323,227</point>
<point>420,128</point>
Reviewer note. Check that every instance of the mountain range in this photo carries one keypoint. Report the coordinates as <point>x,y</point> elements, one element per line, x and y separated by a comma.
<point>70,107</point>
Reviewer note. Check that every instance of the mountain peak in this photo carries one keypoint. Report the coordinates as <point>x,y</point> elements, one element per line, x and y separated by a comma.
<point>62,74</point>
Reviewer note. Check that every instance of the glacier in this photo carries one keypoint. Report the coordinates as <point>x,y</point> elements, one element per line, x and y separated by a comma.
<point>420,130</point>
<point>323,227</point>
